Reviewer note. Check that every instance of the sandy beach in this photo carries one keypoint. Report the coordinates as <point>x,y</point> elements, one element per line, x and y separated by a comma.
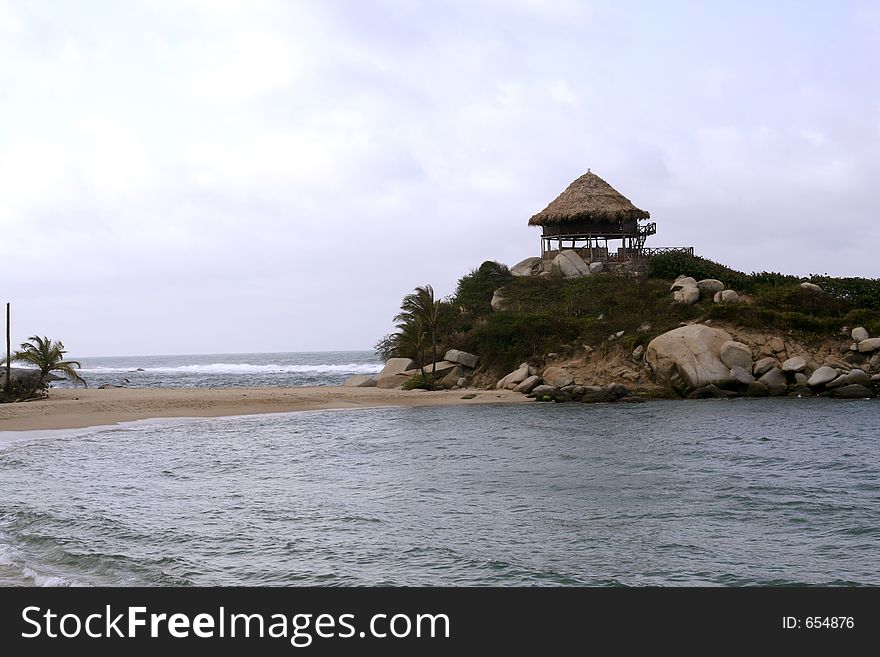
<point>78,408</point>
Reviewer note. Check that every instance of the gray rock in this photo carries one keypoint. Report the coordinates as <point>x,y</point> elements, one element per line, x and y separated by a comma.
<point>596,267</point>
<point>729,296</point>
<point>854,391</point>
<point>859,377</point>
<point>598,396</point>
<point>875,378</point>
<point>558,377</point>
<point>541,390</point>
<point>527,385</point>
<point>763,366</point>
<point>498,302</point>
<point>360,381</point>
<point>570,265</point>
<point>796,364</point>
<point>736,354</point>
<point>775,381</point>
<point>462,358</point>
<point>708,392</point>
<point>710,286</point>
<point>638,352</point>
<point>741,375</point>
<point>821,376</point>
<point>811,286</point>
<point>514,378</point>
<point>800,379</point>
<point>683,281</point>
<point>392,375</point>
<point>776,344</point>
<point>836,383</point>
<point>438,369</point>
<point>860,333</point>
<point>757,389</point>
<point>451,379</point>
<point>688,358</point>
<point>528,267</point>
<point>875,361</point>
<point>869,345</point>
<point>462,382</point>
<point>688,295</point>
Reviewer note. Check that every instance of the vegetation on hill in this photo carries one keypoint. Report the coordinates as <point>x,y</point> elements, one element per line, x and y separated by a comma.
<point>551,314</point>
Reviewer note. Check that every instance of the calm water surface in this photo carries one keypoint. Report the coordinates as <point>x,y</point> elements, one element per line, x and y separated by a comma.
<point>744,492</point>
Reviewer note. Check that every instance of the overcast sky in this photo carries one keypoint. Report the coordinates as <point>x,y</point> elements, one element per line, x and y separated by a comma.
<point>198,176</point>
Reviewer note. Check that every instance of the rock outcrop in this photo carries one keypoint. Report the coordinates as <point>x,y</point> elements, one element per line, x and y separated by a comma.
<point>528,267</point>
<point>392,375</point>
<point>462,358</point>
<point>689,357</point>
<point>570,265</point>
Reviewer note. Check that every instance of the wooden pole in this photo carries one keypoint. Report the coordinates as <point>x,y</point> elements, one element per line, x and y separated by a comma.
<point>8,350</point>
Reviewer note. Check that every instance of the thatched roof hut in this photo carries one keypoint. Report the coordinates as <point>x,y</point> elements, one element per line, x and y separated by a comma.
<point>588,214</point>
<point>589,198</point>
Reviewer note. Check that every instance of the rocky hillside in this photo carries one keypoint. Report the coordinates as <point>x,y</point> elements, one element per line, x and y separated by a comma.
<point>705,330</point>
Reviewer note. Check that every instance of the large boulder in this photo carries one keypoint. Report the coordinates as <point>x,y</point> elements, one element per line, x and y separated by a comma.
<point>596,267</point>
<point>528,385</point>
<point>687,295</point>
<point>812,287</point>
<point>392,375</point>
<point>860,333</point>
<point>736,354</point>
<point>822,376</point>
<point>451,379</point>
<point>858,377</point>
<point>570,265</point>
<point>869,345</point>
<point>462,358</point>
<point>854,391</point>
<point>685,291</point>
<point>763,366</point>
<point>775,380</point>
<point>438,369</point>
<point>360,381</point>
<point>689,357</point>
<point>514,378</point>
<point>558,377</point>
<point>528,267</point>
<point>794,364</point>
<point>709,286</point>
<point>741,375</point>
<point>726,296</point>
<point>498,302</point>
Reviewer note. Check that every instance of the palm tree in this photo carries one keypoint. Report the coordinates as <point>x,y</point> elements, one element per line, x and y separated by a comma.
<point>420,308</point>
<point>47,356</point>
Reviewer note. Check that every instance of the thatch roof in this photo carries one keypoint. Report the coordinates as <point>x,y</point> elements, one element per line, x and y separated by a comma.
<point>588,198</point>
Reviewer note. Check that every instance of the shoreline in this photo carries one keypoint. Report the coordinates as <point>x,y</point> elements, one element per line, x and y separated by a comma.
<point>78,408</point>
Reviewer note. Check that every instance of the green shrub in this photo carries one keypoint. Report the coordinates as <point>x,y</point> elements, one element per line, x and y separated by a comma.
<point>861,292</point>
<point>426,382</point>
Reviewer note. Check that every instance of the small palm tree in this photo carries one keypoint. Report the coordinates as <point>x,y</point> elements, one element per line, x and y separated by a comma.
<point>47,356</point>
<point>421,308</point>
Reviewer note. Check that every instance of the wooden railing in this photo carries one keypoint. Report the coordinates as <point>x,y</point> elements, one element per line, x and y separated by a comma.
<point>658,250</point>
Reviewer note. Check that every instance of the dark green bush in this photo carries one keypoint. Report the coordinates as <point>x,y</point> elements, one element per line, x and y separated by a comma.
<point>426,382</point>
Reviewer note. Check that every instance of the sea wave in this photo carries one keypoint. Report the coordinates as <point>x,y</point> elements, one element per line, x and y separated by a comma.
<point>243,368</point>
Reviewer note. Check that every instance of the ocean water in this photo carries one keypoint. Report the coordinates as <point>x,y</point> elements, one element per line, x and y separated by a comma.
<point>714,493</point>
<point>225,370</point>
